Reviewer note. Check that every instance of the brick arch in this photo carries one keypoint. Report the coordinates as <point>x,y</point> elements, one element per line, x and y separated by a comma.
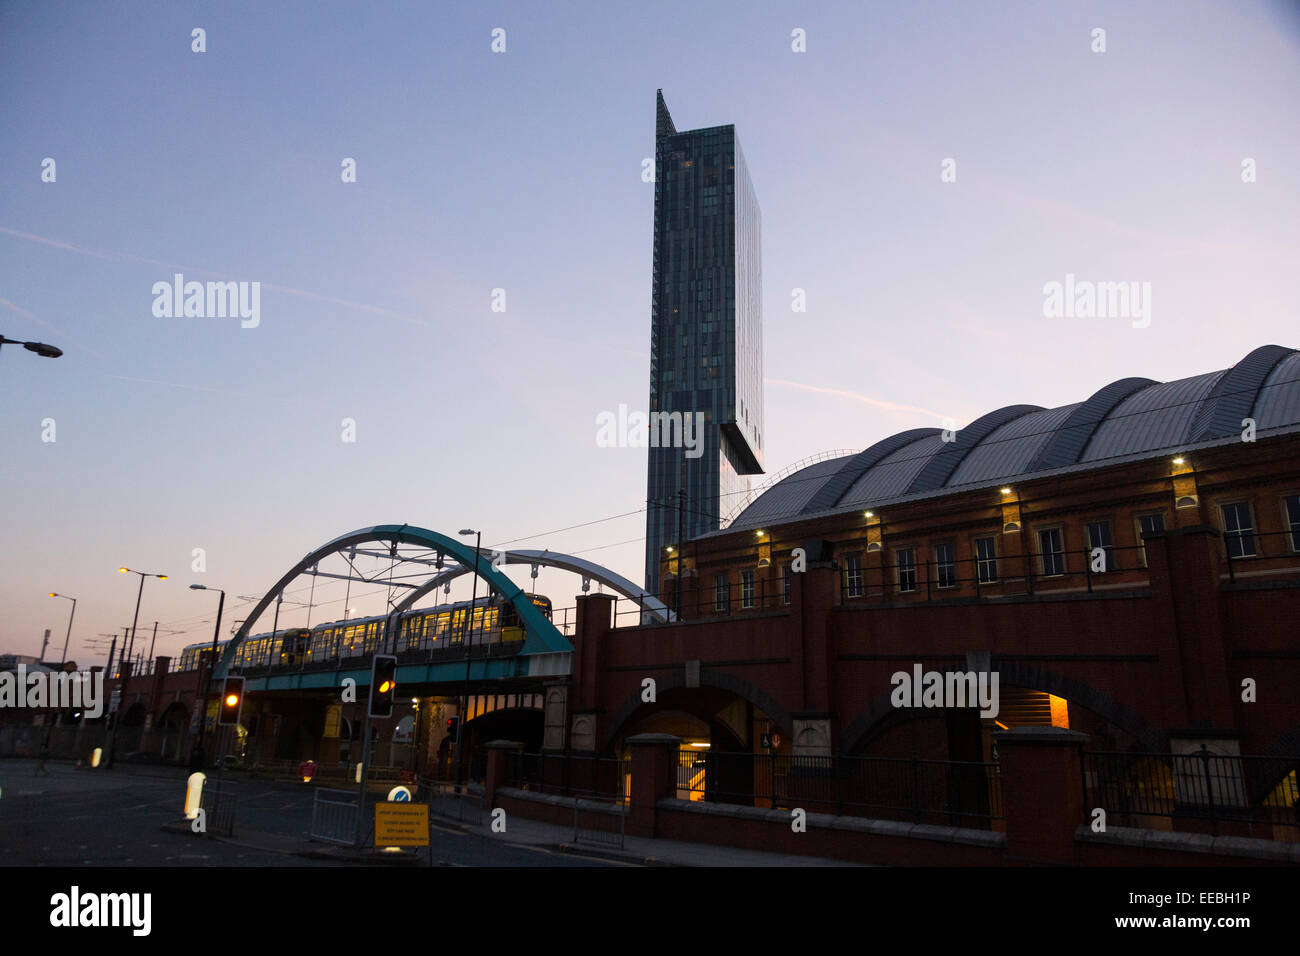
<point>1015,674</point>
<point>720,680</point>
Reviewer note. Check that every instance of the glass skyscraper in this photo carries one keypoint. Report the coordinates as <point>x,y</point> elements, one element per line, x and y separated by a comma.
<point>706,331</point>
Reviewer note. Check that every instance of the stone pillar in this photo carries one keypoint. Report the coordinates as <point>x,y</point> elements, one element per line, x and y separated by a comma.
<point>654,777</point>
<point>499,753</point>
<point>1042,792</point>
<point>555,716</point>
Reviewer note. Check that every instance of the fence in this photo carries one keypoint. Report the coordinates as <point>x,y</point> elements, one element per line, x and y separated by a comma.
<point>570,775</point>
<point>218,810</point>
<point>603,824</point>
<point>1153,790</point>
<point>334,816</point>
<point>452,802</point>
<point>1250,552</point>
<point>945,792</point>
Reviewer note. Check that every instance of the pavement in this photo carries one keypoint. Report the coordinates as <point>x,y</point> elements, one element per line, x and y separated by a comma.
<point>131,815</point>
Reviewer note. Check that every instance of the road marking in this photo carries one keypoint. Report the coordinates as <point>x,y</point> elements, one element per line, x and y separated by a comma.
<point>434,826</point>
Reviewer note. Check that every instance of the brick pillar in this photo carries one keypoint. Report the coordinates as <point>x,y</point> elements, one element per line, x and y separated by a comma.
<point>498,767</point>
<point>1184,566</point>
<point>810,647</point>
<point>654,777</point>
<point>590,647</point>
<point>590,643</point>
<point>1042,792</point>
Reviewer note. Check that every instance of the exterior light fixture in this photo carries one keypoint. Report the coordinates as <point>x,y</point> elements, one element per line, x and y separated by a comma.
<point>1006,491</point>
<point>1180,460</point>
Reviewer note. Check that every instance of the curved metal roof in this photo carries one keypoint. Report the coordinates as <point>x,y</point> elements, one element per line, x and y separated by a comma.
<point>1128,419</point>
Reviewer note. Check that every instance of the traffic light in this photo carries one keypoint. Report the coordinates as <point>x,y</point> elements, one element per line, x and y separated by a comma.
<point>383,685</point>
<point>232,700</point>
<point>453,729</point>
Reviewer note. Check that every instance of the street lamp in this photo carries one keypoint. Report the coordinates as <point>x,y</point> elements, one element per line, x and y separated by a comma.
<point>196,758</point>
<point>40,348</point>
<point>460,724</point>
<point>64,659</point>
<point>122,686</point>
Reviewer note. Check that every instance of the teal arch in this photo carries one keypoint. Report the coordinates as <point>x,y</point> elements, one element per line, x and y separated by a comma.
<point>540,635</point>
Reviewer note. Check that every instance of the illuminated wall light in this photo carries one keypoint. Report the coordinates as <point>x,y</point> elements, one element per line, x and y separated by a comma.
<point>1180,461</point>
<point>1006,491</point>
<point>868,514</point>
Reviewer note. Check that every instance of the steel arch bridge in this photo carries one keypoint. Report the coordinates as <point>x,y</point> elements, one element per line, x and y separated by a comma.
<point>589,571</point>
<point>545,650</point>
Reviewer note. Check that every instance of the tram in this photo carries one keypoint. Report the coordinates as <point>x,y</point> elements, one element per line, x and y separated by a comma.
<point>489,620</point>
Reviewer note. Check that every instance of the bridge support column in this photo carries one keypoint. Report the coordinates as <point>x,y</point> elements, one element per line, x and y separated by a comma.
<point>590,650</point>
<point>1042,792</point>
<point>654,778</point>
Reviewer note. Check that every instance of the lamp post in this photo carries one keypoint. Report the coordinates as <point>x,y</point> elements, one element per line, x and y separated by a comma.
<point>460,724</point>
<point>64,658</point>
<point>40,348</point>
<point>196,756</point>
<point>112,734</point>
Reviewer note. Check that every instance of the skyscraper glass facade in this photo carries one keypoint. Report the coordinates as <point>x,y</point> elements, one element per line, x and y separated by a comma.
<point>706,331</point>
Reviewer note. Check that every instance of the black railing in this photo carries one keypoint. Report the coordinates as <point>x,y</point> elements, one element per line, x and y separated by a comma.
<point>570,775</point>
<point>1139,789</point>
<point>934,580</point>
<point>945,792</point>
<point>1242,548</point>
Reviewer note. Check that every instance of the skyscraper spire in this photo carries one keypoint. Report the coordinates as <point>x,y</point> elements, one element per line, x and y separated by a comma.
<point>663,119</point>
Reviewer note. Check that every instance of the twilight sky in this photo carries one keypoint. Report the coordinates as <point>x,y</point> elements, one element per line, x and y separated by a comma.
<point>521,171</point>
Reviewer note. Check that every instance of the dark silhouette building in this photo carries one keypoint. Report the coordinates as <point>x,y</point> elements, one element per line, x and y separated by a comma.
<point>706,336</point>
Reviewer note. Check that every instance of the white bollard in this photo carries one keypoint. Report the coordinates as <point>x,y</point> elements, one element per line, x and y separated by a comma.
<point>193,794</point>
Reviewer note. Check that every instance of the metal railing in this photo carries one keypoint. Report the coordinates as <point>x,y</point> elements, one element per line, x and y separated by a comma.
<point>1241,549</point>
<point>334,816</point>
<point>570,775</point>
<point>1260,794</point>
<point>601,824</point>
<point>218,810</point>
<point>946,792</point>
<point>452,802</point>
<point>1028,572</point>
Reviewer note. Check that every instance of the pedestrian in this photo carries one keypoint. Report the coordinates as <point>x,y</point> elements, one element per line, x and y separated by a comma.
<point>44,756</point>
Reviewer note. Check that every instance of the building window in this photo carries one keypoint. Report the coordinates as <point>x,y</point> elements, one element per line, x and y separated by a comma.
<point>905,558</point>
<point>747,588</point>
<point>946,565</point>
<point>1292,506</point>
<point>1148,524</point>
<point>1051,551</point>
<point>853,576</point>
<point>721,594</point>
<point>986,559</point>
<point>1099,537</point>
<point>786,583</point>
<point>1238,529</point>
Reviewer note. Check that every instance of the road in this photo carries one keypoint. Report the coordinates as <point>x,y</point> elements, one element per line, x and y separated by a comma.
<point>114,818</point>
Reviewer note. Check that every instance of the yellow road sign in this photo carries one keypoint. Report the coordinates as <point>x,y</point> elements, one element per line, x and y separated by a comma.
<point>401,824</point>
